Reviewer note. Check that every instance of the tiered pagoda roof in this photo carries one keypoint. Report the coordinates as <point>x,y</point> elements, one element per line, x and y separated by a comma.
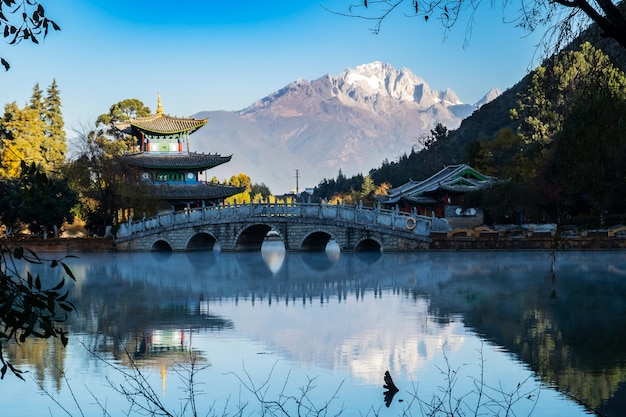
<point>191,192</point>
<point>191,160</point>
<point>160,124</point>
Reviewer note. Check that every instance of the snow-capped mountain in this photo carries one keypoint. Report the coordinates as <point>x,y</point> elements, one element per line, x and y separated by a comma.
<point>351,122</point>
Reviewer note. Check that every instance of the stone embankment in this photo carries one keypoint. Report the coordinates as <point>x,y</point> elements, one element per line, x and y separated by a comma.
<point>66,245</point>
<point>483,238</point>
<point>480,238</point>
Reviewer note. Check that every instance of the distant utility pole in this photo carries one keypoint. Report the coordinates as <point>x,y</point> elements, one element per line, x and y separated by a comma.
<point>297,178</point>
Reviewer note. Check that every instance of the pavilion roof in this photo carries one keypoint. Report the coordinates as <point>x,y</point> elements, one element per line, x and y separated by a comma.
<point>191,160</point>
<point>459,178</point>
<point>195,191</point>
<point>161,124</point>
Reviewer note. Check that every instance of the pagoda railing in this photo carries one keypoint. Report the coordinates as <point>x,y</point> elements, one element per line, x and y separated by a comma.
<point>349,214</point>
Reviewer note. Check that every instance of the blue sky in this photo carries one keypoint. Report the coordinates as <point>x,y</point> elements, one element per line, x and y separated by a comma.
<point>223,55</point>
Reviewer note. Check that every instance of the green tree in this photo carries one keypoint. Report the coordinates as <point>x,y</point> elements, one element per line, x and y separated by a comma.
<point>573,130</point>
<point>22,21</point>
<point>122,111</point>
<point>587,161</point>
<point>502,157</point>
<point>241,180</point>
<point>22,132</point>
<point>36,200</point>
<point>97,176</point>
<point>130,108</point>
<point>36,100</point>
<point>260,192</point>
<point>33,134</point>
<point>48,200</point>
<point>10,205</point>
<point>55,137</point>
<point>106,196</point>
<point>564,18</point>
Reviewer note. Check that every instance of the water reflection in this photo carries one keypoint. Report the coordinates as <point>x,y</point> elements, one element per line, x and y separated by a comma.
<point>362,314</point>
<point>273,252</point>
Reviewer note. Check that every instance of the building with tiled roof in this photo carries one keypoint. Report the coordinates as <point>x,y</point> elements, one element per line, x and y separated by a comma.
<point>441,194</point>
<point>166,163</point>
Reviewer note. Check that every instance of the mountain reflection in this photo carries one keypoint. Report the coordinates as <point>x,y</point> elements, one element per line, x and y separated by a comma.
<point>152,304</point>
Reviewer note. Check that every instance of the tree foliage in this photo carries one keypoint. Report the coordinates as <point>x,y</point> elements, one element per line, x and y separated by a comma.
<point>122,111</point>
<point>107,189</point>
<point>573,128</point>
<point>55,138</point>
<point>341,186</point>
<point>33,134</point>
<point>350,190</point>
<point>23,21</point>
<point>22,132</point>
<point>241,180</point>
<point>36,200</point>
<point>570,144</point>
<point>96,173</point>
<point>260,192</point>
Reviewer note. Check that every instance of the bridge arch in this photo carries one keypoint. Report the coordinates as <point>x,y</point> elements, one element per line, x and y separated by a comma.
<point>202,241</point>
<point>369,245</point>
<point>161,245</point>
<point>316,241</point>
<point>251,237</point>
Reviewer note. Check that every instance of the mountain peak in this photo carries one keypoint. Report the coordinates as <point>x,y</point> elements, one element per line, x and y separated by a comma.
<point>491,95</point>
<point>380,79</point>
<point>351,122</point>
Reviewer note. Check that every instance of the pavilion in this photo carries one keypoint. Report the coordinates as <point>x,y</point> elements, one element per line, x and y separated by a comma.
<point>166,164</point>
<point>441,194</point>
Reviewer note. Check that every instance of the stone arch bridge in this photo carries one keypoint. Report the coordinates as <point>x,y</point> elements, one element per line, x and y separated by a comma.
<point>301,226</point>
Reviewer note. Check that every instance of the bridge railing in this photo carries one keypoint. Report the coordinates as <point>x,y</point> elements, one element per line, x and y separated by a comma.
<point>355,214</point>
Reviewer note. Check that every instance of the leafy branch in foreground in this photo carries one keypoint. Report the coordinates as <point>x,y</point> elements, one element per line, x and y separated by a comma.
<point>23,20</point>
<point>27,307</point>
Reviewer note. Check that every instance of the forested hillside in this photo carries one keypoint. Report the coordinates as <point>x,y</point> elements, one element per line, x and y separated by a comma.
<point>556,137</point>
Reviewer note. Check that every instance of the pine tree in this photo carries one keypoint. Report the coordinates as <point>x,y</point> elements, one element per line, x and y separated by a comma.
<point>55,141</point>
<point>36,99</point>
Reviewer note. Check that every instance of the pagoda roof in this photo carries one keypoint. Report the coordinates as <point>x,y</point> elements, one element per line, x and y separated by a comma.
<point>191,160</point>
<point>161,124</point>
<point>197,191</point>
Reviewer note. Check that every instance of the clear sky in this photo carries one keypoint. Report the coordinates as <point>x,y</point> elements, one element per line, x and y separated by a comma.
<point>223,55</point>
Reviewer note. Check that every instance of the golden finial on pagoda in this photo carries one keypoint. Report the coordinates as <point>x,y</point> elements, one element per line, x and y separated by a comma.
<point>159,108</point>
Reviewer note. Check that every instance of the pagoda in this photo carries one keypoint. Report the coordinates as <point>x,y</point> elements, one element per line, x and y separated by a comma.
<point>165,162</point>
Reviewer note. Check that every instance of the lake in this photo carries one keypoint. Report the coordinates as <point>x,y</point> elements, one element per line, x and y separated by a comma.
<point>311,333</point>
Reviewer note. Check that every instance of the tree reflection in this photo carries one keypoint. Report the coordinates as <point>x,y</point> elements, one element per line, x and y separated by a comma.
<point>151,306</point>
<point>574,342</point>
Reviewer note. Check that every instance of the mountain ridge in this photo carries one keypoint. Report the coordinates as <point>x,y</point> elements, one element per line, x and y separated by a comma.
<point>350,122</point>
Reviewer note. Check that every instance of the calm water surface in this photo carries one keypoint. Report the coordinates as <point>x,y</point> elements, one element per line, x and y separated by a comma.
<point>277,321</point>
